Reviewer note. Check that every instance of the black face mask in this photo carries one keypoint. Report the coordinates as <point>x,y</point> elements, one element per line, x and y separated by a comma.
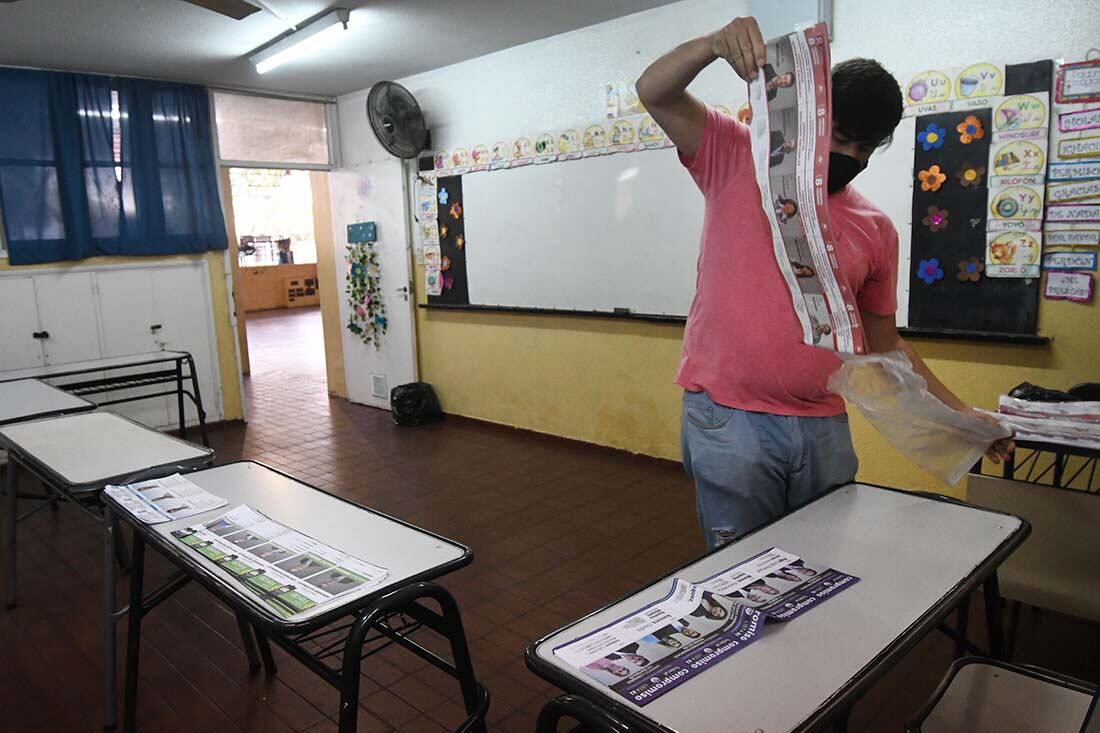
<point>842,169</point>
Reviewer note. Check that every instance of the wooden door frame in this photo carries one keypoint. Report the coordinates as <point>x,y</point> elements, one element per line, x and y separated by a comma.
<point>235,269</point>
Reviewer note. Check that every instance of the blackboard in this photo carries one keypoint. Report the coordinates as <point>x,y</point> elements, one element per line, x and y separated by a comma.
<point>990,305</point>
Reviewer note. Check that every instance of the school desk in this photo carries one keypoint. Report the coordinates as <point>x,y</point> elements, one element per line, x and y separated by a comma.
<point>129,372</point>
<point>918,556</point>
<point>333,643</point>
<point>31,399</point>
<point>75,457</point>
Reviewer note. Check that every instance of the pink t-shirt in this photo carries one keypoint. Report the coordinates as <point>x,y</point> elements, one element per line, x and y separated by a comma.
<point>743,343</point>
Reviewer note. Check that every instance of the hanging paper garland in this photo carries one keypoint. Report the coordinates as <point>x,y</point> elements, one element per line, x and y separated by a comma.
<point>367,318</point>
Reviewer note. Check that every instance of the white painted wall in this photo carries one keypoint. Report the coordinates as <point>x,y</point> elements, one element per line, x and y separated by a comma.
<point>368,187</point>
<point>557,82</point>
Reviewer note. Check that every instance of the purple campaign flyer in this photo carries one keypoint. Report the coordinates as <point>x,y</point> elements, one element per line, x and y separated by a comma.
<point>697,625</point>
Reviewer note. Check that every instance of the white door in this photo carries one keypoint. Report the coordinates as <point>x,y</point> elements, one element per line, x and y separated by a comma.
<point>19,349</point>
<point>127,316</point>
<point>182,306</point>
<point>66,310</point>
<point>374,191</point>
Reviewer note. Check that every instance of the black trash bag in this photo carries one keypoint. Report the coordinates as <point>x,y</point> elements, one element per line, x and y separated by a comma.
<point>415,404</point>
<point>1035,393</point>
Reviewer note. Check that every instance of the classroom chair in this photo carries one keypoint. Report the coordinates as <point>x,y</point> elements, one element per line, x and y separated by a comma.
<point>981,695</point>
<point>1056,568</point>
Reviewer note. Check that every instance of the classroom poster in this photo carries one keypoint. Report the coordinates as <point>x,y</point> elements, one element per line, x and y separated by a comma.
<point>952,89</point>
<point>1017,165</point>
<point>697,625</point>
<point>1073,187</point>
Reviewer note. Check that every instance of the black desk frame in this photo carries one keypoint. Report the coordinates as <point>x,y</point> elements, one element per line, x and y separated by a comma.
<point>347,633</point>
<point>605,714</point>
<point>174,367</point>
<point>1058,468</point>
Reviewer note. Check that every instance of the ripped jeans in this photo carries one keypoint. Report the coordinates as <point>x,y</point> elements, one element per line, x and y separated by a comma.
<point>750,468</point>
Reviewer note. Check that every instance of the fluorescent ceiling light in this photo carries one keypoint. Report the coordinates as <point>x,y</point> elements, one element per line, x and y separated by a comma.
<point>300,42</point>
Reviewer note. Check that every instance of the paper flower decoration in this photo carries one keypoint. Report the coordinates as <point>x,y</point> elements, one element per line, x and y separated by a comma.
<point>931,179</point>
<point>936,218</point>
<point>448,282</point>
<point>367,318</point>
<point>931,137</point>
<point>970,270</point>
<point>456,210</point>
<point>443,197</point>
<point>445,263</point>
<point>443,231</point>
<point>460,241</point>
<point>929,271</point>
<point>970,175</point>
<point>970,130</point>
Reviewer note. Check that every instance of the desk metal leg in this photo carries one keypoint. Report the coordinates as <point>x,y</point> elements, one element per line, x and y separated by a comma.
<point>179,399</point>
<point>198,401</point>
<point>963,622</point>
<point>249,641</point>
<point>133,634</point>
<point>449,623</point>
<point>584,712</point>
<point>12,522</point>
<point>993,617</point>
<point>265,651</point>
<point>109,620</point>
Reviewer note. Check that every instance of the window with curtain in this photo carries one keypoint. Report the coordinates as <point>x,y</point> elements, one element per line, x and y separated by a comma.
<point>94,165</point>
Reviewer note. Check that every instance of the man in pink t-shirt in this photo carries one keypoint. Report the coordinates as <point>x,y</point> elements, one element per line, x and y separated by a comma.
<point>761,433</point>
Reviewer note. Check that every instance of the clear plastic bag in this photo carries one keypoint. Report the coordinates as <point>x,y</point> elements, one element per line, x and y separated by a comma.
<point>895,399</point>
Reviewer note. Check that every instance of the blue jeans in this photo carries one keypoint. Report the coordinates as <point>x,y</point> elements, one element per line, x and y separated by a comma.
<point>752,467</point>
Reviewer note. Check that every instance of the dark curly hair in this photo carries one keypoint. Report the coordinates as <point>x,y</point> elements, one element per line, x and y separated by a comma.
<point>867,101</point>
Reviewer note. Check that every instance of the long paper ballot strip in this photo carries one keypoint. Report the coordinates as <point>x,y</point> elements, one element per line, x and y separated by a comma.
<point>648,653</point>
<point>292,574</point>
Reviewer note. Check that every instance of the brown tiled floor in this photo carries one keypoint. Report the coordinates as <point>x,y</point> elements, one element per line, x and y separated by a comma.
<point>552,535</point>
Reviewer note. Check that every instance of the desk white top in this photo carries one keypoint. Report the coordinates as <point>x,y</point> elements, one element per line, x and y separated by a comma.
<point>91,365</point>
<point>909,552</point>
<point>25,399</point>
<point>403,550</point>
<point>92,447</point>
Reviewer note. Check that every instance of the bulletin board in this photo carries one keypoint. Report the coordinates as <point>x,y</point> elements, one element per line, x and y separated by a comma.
<point>979,165</point>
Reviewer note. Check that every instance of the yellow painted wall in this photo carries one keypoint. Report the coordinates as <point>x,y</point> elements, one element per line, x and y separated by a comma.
<point>227,360</point>
<point>611,382</point>
<point>264,288</point>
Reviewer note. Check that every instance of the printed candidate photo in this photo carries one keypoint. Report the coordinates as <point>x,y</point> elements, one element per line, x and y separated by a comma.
<point>304,565</point>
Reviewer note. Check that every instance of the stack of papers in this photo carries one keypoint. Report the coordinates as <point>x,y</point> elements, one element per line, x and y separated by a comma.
<point>165,499</point>
<point>292,574</point>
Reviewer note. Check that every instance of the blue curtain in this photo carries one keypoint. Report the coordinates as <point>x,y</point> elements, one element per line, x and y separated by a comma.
<point>70,189</point>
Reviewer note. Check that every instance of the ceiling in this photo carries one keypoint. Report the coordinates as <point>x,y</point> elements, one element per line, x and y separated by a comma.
<point>386,39</point>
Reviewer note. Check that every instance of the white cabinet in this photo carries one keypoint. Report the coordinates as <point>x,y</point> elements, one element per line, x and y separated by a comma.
<point>19,348</point>
<point>66,311</point>
<point>178,293</point>
<point>126,318</point>
<point>91,312</point>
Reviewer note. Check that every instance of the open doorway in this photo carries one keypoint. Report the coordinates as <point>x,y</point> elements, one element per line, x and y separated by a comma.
<point>283,279</point>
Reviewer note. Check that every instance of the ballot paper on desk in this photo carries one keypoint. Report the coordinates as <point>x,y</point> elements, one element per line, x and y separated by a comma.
<point>895,399</point>
<point>164,499</point>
